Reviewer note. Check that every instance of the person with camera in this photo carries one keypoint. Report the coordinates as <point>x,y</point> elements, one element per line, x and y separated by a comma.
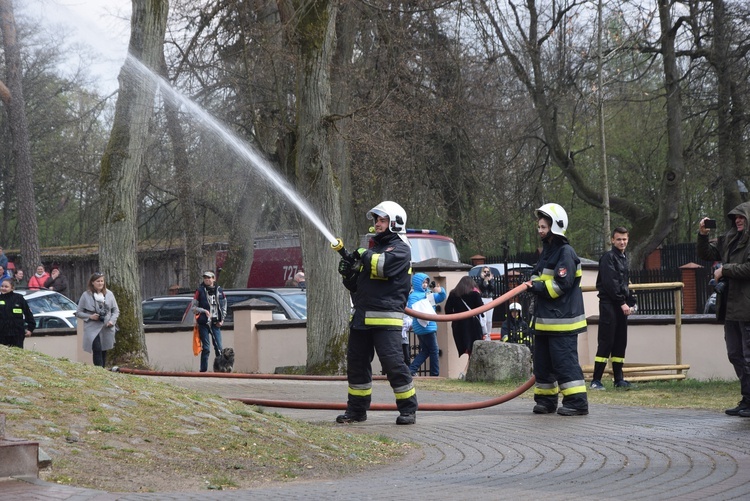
<point>616,303</point>
<point>98,309</point>
<point>486,282</point>
<point>424,297</point>
<point>733,293</point>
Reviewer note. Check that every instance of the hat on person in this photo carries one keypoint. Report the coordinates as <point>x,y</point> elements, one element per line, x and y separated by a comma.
<point>208,274</point>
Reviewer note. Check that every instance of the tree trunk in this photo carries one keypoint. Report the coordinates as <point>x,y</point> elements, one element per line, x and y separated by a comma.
<point>19,128</point>
<point>313,35</point>
<point>243,226</point>
<point>728,135</point>
<point>182,178</point>
<point>346,32</point>
<point>120,177</point>
<point>674,171</point>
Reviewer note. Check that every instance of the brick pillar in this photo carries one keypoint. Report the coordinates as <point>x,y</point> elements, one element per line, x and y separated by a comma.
<point>653,260</point>
<point>689,291</point>
<point>477,260</point>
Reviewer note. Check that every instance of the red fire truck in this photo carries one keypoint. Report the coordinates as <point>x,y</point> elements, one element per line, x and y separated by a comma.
<point>277,258</point>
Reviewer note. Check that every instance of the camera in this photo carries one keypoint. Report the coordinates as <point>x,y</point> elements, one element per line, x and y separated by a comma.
<point>721,286</point>
<point>102,313</point>
<point>709,223</point>
<point>432,284</point>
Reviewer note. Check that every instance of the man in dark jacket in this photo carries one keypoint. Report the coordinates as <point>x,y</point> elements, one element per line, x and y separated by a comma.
<point>379,281</point>
<point>733,250</point>
<point>56,281</point>
<point>616,303</point>
<point>210,305</point>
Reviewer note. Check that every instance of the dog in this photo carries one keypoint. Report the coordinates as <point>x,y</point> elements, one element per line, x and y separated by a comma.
<point>225,361</point>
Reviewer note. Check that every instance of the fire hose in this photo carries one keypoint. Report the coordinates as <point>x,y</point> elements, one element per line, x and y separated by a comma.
<point>291,404</point>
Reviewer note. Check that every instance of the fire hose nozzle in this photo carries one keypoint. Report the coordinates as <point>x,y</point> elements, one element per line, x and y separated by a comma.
<point>338,246</point>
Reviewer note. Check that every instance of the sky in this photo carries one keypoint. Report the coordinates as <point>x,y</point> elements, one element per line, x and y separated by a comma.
<point>101,25</point>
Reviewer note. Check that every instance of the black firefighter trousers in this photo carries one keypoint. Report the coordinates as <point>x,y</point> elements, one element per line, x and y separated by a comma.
<point>557,370</point>
<point>363,343</point>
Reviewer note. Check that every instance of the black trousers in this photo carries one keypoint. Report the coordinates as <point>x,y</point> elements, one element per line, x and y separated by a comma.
<point>100,356</point>
<point>363,343</point>
<point>612,340</point>
<point>557,370</point>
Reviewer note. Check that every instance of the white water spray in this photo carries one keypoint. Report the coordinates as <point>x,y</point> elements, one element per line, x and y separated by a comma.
<point>240,146</point>
<point>112,51</point>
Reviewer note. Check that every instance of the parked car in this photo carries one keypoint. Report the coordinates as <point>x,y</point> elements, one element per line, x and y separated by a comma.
<point>44,301</point>
<point>290,304</point>
<point>55,320</point>
<point>167,310</point>
<point>498,269</point>
<point>51,309</point>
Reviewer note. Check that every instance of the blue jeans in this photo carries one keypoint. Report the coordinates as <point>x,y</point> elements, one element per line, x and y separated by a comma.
<point>428,347</point>
<point>208,333</point>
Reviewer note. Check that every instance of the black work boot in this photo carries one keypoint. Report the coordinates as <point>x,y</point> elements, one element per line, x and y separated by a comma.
<point>735,411</point>
<point>543,409</point>
<point>410,418</point>
<point>348,418</point>
<point>569,411</point>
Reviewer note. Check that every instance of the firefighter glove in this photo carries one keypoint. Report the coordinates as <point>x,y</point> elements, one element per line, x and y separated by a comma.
<point>359,253</point>
<point>345,267</point>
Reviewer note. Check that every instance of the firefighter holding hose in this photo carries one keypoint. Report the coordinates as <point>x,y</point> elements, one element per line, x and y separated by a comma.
<point>558,318</point>
<point>379,282</point>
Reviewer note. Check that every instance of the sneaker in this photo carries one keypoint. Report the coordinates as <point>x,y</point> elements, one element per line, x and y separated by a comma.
<point>543,409</point>
<point>351,418</point>
<point>744,413</point>
<point>569,411</point>
<point>597,385</point>
<point>735,411</point>
<point>624,385</point>
<point>406,419</point>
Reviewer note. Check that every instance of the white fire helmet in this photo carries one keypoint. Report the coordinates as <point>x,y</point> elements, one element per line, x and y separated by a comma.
<point>515,306</point>
<point>395,213</point>
<point>558,216</point>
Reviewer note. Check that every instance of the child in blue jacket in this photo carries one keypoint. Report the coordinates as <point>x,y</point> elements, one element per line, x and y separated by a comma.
<point>426,330</point>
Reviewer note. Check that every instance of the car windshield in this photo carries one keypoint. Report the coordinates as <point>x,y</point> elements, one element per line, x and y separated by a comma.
<point>426,248</point>
<point>298,302</point>
<point>50,302</point>
<point>47,322</point>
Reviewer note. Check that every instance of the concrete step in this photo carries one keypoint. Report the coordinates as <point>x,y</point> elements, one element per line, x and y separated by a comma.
<point>18,458</point>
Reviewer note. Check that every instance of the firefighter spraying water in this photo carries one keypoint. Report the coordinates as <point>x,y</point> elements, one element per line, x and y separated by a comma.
<point>378,279</point>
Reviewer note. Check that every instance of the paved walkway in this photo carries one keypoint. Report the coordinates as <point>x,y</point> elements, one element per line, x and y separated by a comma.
<point>504,452</point>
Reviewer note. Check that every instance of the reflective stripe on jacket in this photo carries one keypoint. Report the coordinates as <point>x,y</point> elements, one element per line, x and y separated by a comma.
<point>557,286</point>
<point>383,284</point>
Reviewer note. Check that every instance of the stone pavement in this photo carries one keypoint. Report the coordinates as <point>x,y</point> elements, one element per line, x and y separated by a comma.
<point>502,452</point>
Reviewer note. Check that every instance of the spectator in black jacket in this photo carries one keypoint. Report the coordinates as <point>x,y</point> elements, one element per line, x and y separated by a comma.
<point>56,281</point>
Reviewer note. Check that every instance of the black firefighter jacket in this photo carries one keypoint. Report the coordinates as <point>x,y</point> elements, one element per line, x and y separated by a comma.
<point>382,284</point>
